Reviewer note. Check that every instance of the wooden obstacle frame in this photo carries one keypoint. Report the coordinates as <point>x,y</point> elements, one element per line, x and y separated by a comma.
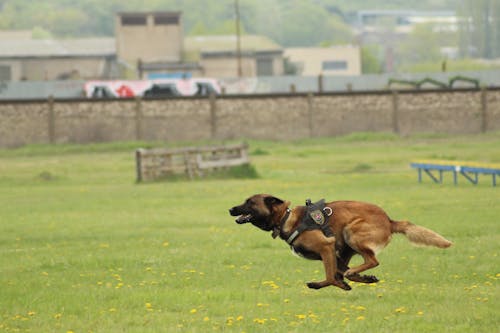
<point>157,163</point>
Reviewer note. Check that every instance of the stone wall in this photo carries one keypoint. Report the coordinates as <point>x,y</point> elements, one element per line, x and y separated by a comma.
<point>270,117</point>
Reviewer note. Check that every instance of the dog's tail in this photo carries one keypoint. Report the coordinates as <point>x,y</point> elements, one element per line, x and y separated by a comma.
<point>419,235</point>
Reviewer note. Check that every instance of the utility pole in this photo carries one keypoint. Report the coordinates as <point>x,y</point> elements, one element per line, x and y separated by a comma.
<point>238,37</point>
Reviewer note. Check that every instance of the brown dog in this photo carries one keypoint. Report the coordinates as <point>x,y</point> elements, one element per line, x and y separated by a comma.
<point>357,228</point>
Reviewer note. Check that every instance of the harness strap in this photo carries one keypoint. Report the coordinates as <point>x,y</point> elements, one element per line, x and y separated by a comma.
<point>309,223</point>
<point>293,236</point>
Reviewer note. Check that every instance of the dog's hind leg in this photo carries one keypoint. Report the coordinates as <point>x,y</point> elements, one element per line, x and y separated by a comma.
<point>327,253</point>
<point>369,262</point>
<point>343,258</point>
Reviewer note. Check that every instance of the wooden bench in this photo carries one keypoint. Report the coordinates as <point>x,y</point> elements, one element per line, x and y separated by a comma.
<point>158,163</point>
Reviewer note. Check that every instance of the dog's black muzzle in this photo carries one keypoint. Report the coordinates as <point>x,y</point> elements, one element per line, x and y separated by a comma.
<point>243,217</point>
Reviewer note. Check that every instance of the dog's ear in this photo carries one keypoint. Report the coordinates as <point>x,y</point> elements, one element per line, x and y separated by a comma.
<point>271,201</point>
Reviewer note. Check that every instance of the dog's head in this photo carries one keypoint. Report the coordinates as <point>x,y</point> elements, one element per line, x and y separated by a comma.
<point>262,210</point>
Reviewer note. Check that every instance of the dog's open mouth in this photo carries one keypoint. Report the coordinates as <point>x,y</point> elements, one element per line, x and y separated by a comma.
<point>244,218</point>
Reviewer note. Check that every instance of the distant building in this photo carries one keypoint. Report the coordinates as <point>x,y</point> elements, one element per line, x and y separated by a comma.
<point>154,42</point>
<point>23,58</point>
<point>217,55</point>
<point>335,60</point>
<point>149,37</point>
<point>153,45</point>
<point>403,21</point>
<point>386,28</point>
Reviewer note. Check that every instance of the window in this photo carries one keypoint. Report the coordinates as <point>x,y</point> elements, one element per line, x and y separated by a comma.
<point>134,20</point>
<point>166,20</point>
<point>264,67</point>
<point>5,73</point>
<point>335,65</point>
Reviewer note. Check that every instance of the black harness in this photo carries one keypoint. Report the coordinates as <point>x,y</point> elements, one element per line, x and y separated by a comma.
<point>316,217</point>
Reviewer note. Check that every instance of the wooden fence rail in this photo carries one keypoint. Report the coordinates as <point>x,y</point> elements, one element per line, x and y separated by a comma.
<point>156,163</point>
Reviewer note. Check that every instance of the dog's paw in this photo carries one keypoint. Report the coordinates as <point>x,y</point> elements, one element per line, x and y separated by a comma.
<point>314,285</point>
<point>369,278</point>
<point>349,273</point>
<point>343,285</point>
<point>338,283</point>
<point>362,278</point>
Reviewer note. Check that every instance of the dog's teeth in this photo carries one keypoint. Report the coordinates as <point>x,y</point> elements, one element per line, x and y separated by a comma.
<point>244,218</point>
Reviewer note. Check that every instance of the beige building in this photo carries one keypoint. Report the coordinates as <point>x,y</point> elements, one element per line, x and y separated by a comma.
<point>23,58</point>
<point>218,56</point>
<point>154,43</point>
<point>150,37</point>
<point>147,45</point>
<point>335,60</point>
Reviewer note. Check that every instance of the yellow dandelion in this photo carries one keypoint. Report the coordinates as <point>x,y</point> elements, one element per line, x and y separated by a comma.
<point>300,316</point>
<point>193,311</point>
<point>400,310</point>
<point>31,313</point>
<point>260,321</point>
<point>58,315</point>
<point>420,313</point>
<point>239,318</point>
<point>360,308</point>
<point>148,306</point>
<point>286,300</point>
<point>206,319</point>
<point>312,315</point>
<point>165,244</point>
<point>360,318</point>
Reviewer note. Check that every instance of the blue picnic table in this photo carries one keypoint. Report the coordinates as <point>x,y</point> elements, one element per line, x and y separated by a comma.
<point>470,171</point>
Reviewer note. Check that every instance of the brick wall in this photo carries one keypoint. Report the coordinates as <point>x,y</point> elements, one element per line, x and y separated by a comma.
<point>272,117</point>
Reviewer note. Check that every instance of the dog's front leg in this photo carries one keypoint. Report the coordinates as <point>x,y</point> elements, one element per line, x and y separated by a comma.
<point>327,253</point>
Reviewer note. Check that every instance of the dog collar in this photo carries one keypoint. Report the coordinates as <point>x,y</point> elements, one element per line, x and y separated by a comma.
<point>277,230</point>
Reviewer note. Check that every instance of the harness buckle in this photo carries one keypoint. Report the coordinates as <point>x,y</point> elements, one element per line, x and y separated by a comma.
<point>328,211</point>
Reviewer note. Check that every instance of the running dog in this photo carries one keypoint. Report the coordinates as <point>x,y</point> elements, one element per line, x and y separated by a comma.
<point>346,228</point>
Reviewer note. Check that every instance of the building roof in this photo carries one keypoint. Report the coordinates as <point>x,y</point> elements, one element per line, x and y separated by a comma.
<point>86,47</point>
<point>106,46</point>
<point>195,45</point>
<point>170,13</point>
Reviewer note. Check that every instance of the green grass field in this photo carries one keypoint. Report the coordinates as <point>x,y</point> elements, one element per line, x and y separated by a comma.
<point>86,249</point>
